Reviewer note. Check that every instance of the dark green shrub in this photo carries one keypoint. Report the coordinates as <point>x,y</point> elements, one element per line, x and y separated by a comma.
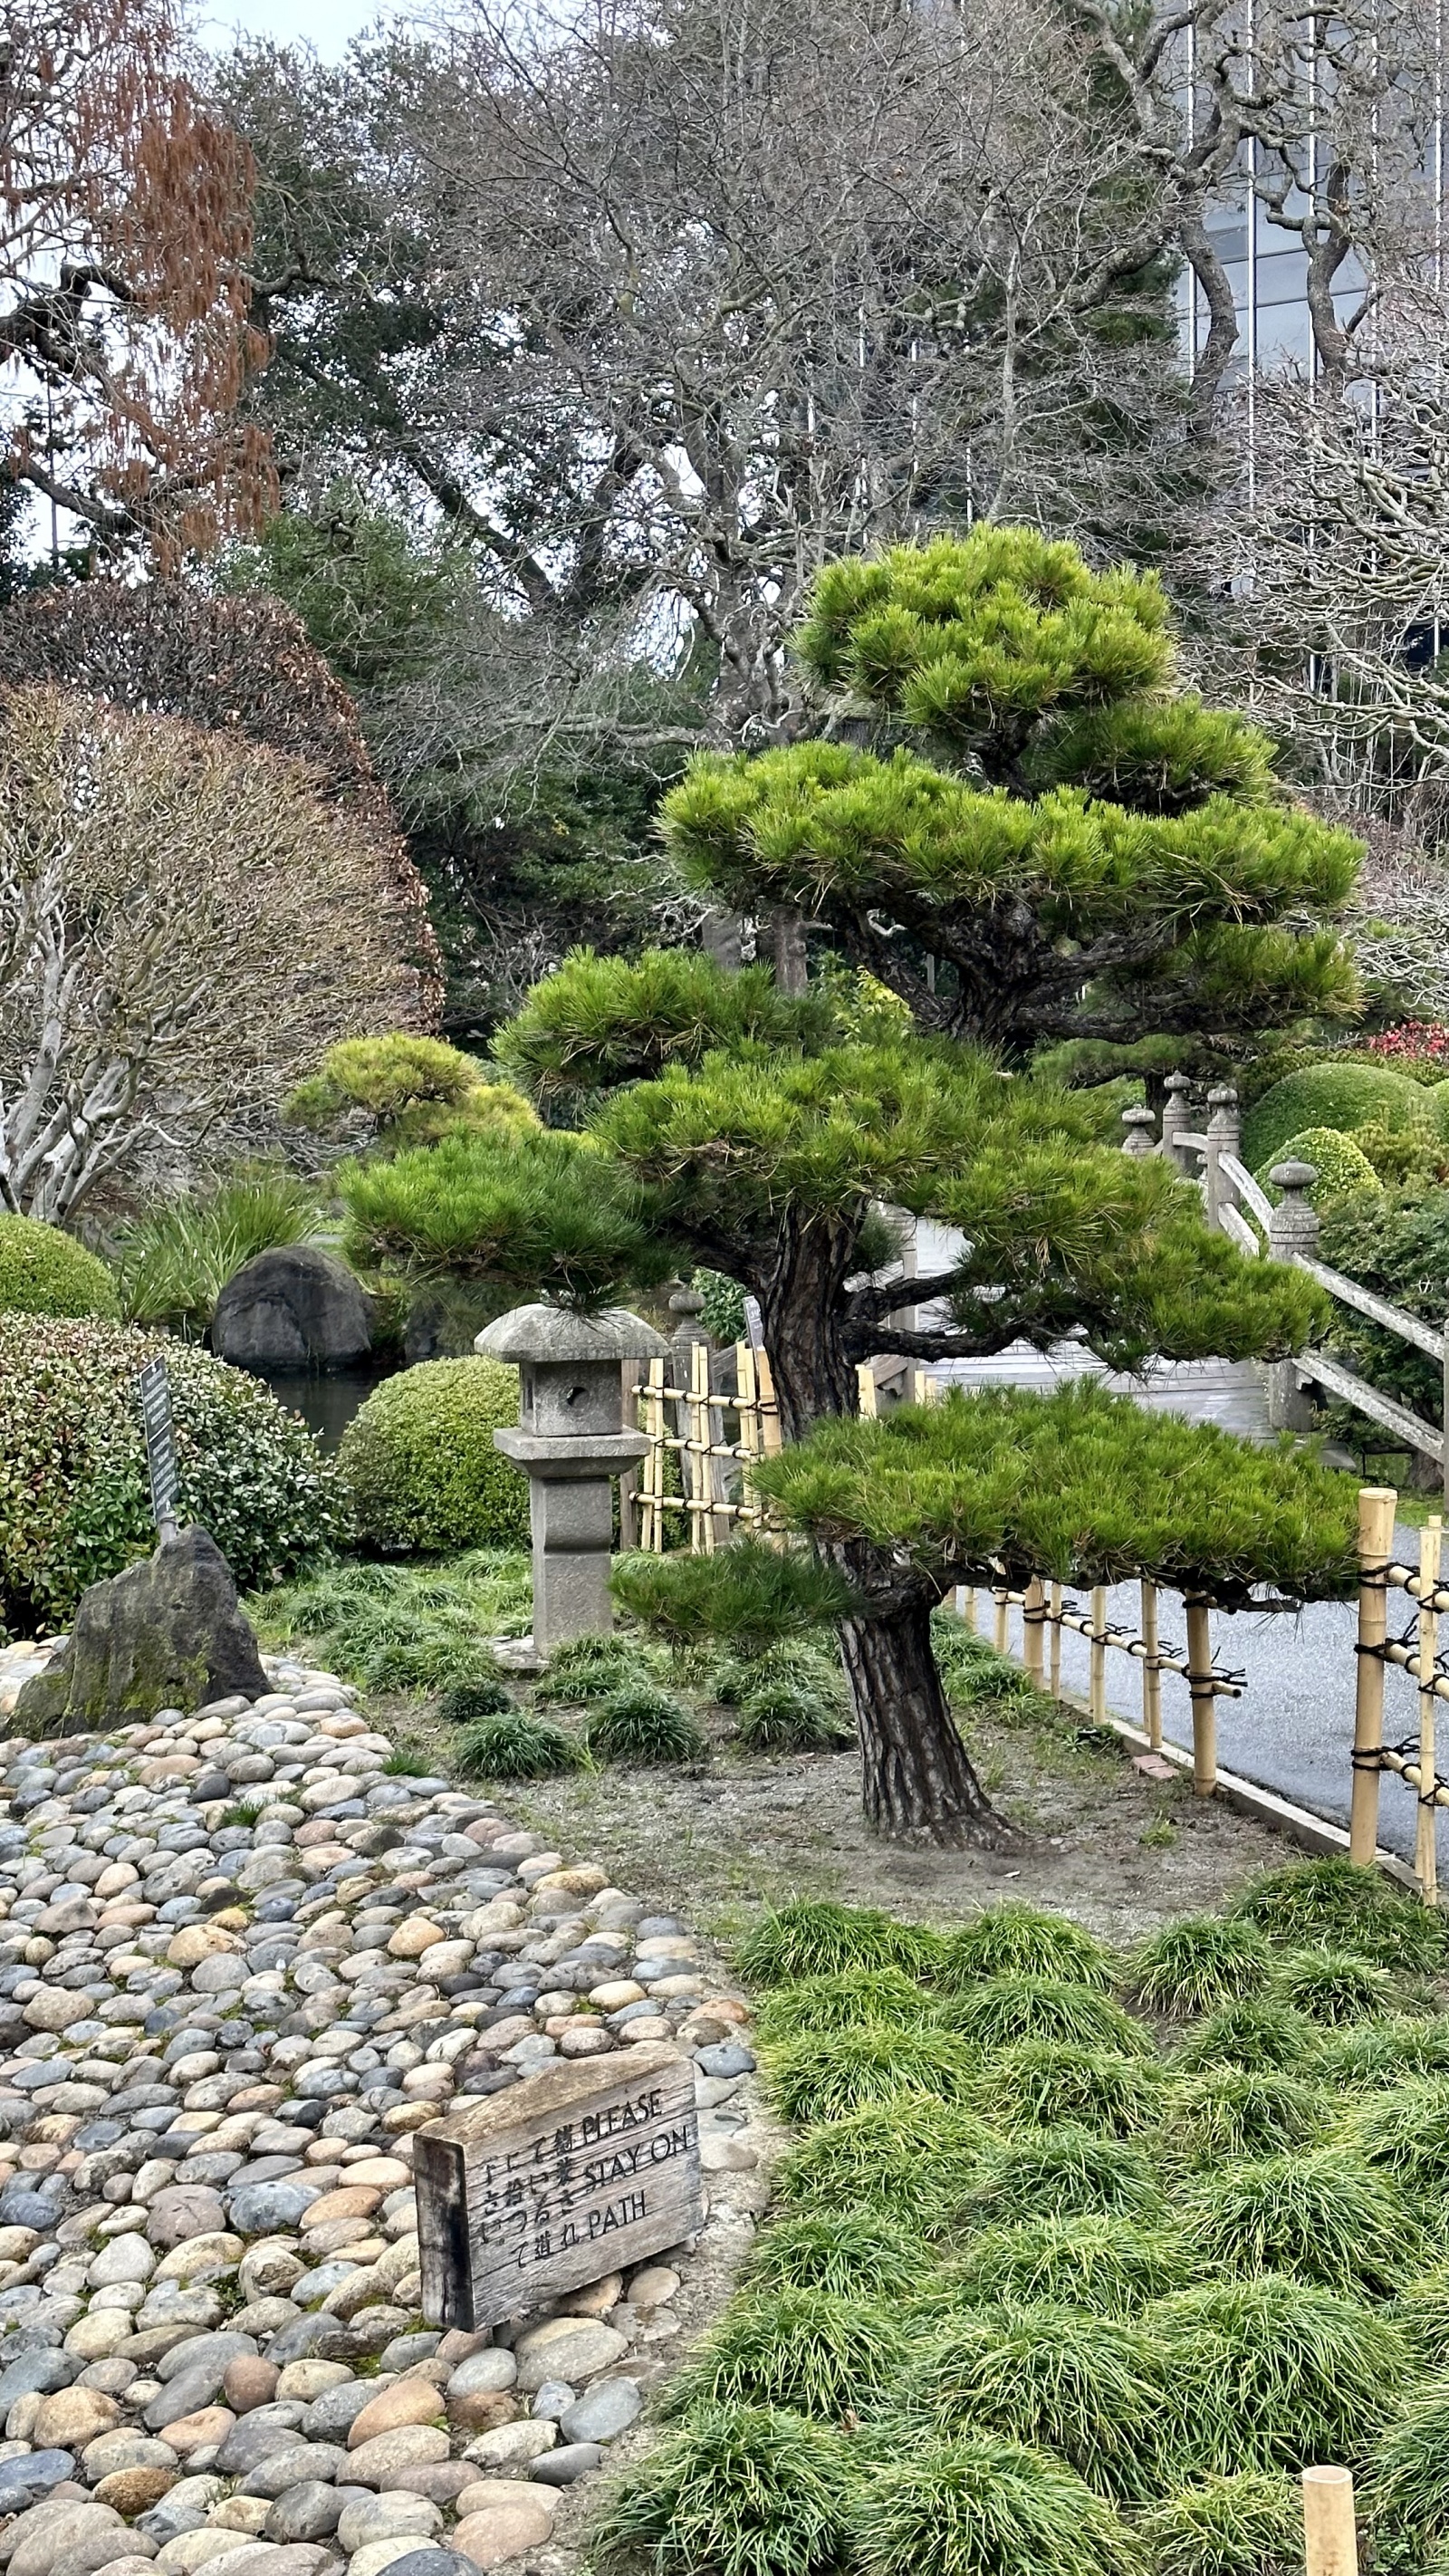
<point>419,1463</point>
<point>1324,2217</point>
<point>1337,1905</point>
<point>1017,1940</point>
<point>45,1272</point>
<point>1405,2490</point>
<point>854,2254</point>
<point>1067,2173</point>
<point>1091,2388</point>
<point>857,1996</point>
<point>463,1703</point>
<point>1003,2011</point>
<point>517,1747</point>
<point>737,2491</point>
<point>1396,1243</point>
<point>1342,1095</point>
<point>1194,1966</point>
<point>976,1677</point>
<point>819,2075</point>
<point>1248,2525</point>
<point>816,1939</point>
<point>75,1503</point>
<point>587,1669</point>
<point>1407,2132</point>
<point>1343,1170</point>
<point>913,2158</point>
<point>1334,1987</point>
<point>1258,2034</point>
<point>1046,2082</point>
<point>986,2507</point>
<point>804,2349</point>
<point>780,1717</point>
<point>1100,2264</point>
<point>1283,2374</point>
<point>1230,2112</point>
<point>643,1725</point>
<point>1375,2055</point>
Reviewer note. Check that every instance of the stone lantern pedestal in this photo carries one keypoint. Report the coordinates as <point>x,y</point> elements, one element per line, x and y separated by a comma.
<point>570,1443</point>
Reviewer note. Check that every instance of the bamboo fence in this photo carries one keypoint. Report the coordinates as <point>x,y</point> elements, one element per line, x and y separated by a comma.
<point>714,1497</point>
<point>1414,1758</point>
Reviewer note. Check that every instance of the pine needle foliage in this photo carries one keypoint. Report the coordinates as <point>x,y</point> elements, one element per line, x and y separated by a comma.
<point>817,1939</point>
<point>1067,2173</point>
<point>1325,2217</point>
<point>1259,2034</point>
<point>857,1996</point>
<point>1196,1965</point>
<point>749,1596</point>
<point>1046,2083</point>
<point>982,2506</point>
<point>517,1747</point>
<point>819,2075</point>
<point>1338,1905</point>
<point>1091,2388</point>
<point>1001,2012</point>
<point>1406,2485</point>
<point>913,2159</point>
<point>1103,2265</point>
<point>642,1724</point>
<point>1023,1941</point>
<point>1283,2373</point>
<point>1406,2132</point>
<point>736,2491</point>
<point>609,1020</point>
<point>1373,2056</point>
<point>806,2350</point>
<point>1232,2112</point>
<point>1334,1987</point>
<point>852,2254</point>
<point>1249,2525</point>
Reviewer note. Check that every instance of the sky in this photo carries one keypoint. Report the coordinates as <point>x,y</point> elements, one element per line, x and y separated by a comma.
<point>326,25</point>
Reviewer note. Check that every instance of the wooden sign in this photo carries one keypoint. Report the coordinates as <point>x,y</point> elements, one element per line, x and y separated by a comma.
<point>153,1386</point>
<point>573,2173</point>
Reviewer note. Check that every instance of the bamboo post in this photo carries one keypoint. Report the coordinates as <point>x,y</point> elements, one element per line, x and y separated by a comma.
<point>1203,1698</point>
<point>1054,1676</point>
<point>1098,1697</point>
<point>701,1442</point>
<point>1001,1634</point>
<point>1330,2542</point>
<point>1033,1618</point>
<point>771,1440</point>
<point>867,1395</point>
<point>747,1423</point>
<point>652,1532</point>
<point>1376,1507</point>
<point>1151,1669</point>
<point>966,1605</point>
<point>1426,1851</point>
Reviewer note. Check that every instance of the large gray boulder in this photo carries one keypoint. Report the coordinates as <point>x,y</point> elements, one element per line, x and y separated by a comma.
<point>293,1308</point>
<point>168,1633</point>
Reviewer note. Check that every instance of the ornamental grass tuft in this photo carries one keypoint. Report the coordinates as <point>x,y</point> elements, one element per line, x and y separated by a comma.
<point>1196,1965</point>
<point>803,2349</point>
<point>1248,2525</point>
<point>1371,2057</point>
<point>785,1717</point>
<point>481,1695</point>
<point>1091,2388</point>
<point>846,2002</point>
<point>816,1939</point>
<point>1422,2312</point>
<point>1338,1904</point>
<point>1019,1940</point>
<point>1325,2217</point>
<point>855,2254</point>
<point>820,2076</point>
<point>1067,2173</point>
<point>586,1669</point>
<point>1259,2033</point>
<point>1100,2264</point>
<point>913,2159</point>
<point>1405,2489</point>
<point>1334,1987</point>
<point>1003,2011</point>
<point>1230,2112</point>
<point>1282,2373</point>
<point>737,2491</point>
<point>644,1725</point>
<point>1406,2131</point>
<point>982,2506</point>
<point>517,1747</point>
<point>1046,2083</point>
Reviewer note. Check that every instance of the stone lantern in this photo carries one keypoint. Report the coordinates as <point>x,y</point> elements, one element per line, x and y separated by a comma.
<point>570,1443</point>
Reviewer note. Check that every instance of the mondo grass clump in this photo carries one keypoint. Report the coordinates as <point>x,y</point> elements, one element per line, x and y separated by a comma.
<point>1194,1966</point>
<point>519,1746</point>
<point>1422,2312</point>
<point>1405,2489</point>
<point>1228,2113</point>
<point>1020,1940</point>
<point>1002,2011</point>
<point>913,2159</point>
<point>736,2491</point>
<point>1371,2057</point>
<point>1325,2217</point>
<point>787,1717</point>
<point>1047,2083</point>
<point>1406,2131</point>
<point>818,1939</point>
<point>820,2076</point>
<point>644,1725</point>
<point>807,2350</point>
<point>1334,1987</point>
<point>1099,2264</point>
<point>1248,2525</point>
<point>1067,2173</point>
<point>1259,2033</point>
<point>1281,2373</point>
<point>984,2506</point>
<point>857,1996</point>
<point>478,1695</point>
<point>1339,1905</point>
<point>1091,2388</point>
<point>588,1668</point>
<point>852,2254</point>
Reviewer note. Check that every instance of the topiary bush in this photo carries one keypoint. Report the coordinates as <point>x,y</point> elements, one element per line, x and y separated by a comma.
<point>1249,2525</point>
<point>1343,1169</point>
<point>739,2491</point>
<point>419,1463</point>
<point>74,1499</point>
<point>45,1272</point>
<point>1344,1096</point>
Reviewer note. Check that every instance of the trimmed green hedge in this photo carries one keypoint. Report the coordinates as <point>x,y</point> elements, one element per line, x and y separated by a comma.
<point>419,1463</point>
<point>74,1500</point>
<point>45,1272</point>
<point>1344,1096</point>
<point>1340,1166</point>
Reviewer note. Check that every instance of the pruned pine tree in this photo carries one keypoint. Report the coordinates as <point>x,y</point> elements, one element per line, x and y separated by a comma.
<point>1046,837</point>
<point>725,1126</point>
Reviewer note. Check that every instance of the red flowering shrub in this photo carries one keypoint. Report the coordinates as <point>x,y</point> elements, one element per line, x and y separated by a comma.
<point>1413,1041</point>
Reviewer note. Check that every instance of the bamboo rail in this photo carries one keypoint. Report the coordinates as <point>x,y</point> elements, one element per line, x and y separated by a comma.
<point>1415,1759</point>
<point>706,1457</point>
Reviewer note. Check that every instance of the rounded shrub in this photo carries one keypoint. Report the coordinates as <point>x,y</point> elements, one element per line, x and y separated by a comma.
<point>1099,2264</point>
<point>1018,1940</point>
<point>1046,2083</point>
<point>644,1725</point>
<point>1343,1096</point>
<point>1371,2057</point>
<point>1342,1167</point>
<point>1091,2388</point>
<point>984,2506</point>
<point>1334,1986</point>
<point>1338,1904</point>
<point>814,1938</point>
<point>1249,2525</point>
<point>784,1717</point>
<point>45,1272</point>
<point>1325,2217</point>
<point>1422,2314</point>
<point>1195,1965</point>
<point>518,1746</point>
<point>479,1695</point>
<point>1283,2373</point>
<point>737,2491</point>
<point>1258,2033</point>
<point>1002,2011</point>
<point>1406,2488</point>
<point>805,2349</point>
<point>819,2075</point>
<point>75,1503</point>
<point>419,1463</point>
<point>586,1669</point>
<point>1406,2131</point>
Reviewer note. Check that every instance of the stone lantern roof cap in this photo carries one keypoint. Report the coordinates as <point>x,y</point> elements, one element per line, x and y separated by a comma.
<point>553,1333</point>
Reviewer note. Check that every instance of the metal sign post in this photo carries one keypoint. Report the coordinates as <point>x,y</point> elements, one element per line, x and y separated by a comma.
<point>153,1387</point>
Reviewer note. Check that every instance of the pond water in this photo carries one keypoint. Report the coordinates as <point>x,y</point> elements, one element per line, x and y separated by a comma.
<point>326,1404</point>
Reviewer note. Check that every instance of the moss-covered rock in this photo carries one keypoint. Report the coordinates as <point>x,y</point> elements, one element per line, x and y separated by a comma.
<point>168,1633</point>
<point>419,1462</point>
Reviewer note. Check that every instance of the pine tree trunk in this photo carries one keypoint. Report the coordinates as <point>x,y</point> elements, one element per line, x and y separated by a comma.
<point>919,1785</point>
